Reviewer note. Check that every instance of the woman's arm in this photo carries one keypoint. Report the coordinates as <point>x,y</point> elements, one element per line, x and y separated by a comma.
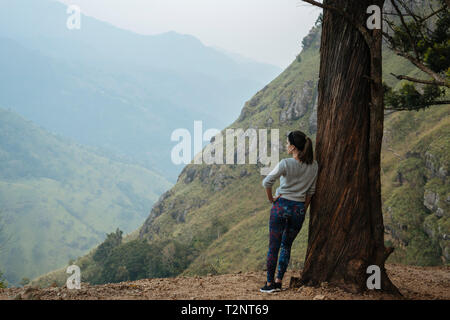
<point>269,194</point>
<point>270,179</point>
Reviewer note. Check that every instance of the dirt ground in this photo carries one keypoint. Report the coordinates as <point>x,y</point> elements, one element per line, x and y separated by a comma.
<point>424,283</point>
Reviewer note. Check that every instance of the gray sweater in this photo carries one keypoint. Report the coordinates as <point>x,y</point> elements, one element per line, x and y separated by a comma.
<point>296,179</point>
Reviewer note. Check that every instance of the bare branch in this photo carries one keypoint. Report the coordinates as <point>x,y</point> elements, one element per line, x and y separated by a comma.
<point>421,66</point>
<point>433,103</point>
<point>432,82</point>
<point>405,25</point>
<point>395,14</point>
<point>409,11</point>
<point>389,39</point>
<point>432,14</point>
<point>440,102</point>
<point>391,26</point>
<point>417,18</point>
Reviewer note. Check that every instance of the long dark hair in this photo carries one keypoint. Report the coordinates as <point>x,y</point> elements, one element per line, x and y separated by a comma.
<point>304,144</point>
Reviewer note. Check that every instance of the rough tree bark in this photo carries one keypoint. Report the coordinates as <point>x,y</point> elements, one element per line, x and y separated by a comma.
<point>346,232</point>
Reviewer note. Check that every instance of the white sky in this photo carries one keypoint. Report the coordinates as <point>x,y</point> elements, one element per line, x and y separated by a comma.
<point>264,30</point>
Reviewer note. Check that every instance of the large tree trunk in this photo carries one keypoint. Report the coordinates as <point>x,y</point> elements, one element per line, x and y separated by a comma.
<point>346,232</point>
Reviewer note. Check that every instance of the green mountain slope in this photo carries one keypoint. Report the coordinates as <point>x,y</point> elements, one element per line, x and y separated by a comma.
<point>221,214</point>
<point>416,192</point>
<point>58,199</point>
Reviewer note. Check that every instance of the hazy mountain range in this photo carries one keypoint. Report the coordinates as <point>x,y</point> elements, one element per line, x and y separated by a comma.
<point>115,89</point>
<point>85,121</point>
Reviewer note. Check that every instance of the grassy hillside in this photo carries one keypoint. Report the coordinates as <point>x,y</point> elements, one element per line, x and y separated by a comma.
<point>58,199</point>
<point>220,212</point>
<point>416,192</point>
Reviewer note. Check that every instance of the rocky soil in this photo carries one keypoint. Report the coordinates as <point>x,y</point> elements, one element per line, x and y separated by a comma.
<point>414,283</point>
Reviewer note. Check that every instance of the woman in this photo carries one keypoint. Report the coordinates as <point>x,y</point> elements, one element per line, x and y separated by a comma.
<point>298,177</point>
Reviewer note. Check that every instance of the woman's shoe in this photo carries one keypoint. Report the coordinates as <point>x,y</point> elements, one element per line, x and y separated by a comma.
<point>277,286</point>
<point>267,289</point>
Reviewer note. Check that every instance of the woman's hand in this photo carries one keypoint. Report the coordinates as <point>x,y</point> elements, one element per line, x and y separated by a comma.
<point>269,195</point>
<point>273,200</point>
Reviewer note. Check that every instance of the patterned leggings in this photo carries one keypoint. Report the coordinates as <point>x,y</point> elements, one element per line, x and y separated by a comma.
<point>286,220</point>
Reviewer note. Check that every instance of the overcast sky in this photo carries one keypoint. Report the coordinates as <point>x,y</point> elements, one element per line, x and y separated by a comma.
<point>264,30</point>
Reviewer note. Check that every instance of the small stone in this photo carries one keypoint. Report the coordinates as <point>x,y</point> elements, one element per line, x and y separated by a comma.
<point>319,297</point>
